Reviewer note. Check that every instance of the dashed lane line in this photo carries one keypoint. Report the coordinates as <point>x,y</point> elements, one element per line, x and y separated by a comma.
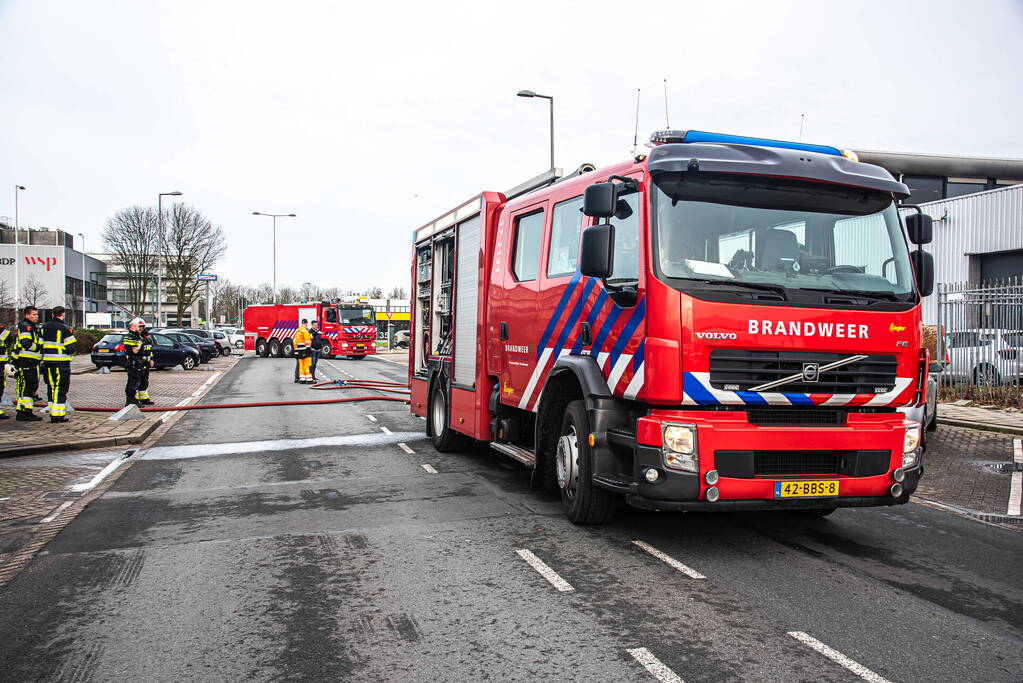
<point>669,560</point>
<point>403,446</point>
<point>839,658</point>
<point>1016,485</point>
<point>371,418</point>
<point>429,468</point>
<point>545,571</point>
<point>56,513</point>
<point>385,430</point>
<point>656,667</point>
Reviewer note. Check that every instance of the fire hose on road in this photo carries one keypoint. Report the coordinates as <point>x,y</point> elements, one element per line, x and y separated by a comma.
<point>369,384</point>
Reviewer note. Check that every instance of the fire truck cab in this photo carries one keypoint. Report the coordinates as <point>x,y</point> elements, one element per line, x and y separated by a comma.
<point>348,328</point>
<point>726,323</point>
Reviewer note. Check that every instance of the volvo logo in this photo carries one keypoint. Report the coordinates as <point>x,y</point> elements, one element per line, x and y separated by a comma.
<point>811,372</point>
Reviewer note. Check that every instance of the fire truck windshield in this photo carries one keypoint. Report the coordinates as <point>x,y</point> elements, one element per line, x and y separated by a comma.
<point>792,237</point>
<point>356,316</point>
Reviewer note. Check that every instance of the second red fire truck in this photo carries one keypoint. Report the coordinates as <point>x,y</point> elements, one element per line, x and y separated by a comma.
<point>726,323</point>
<point>348,328</point>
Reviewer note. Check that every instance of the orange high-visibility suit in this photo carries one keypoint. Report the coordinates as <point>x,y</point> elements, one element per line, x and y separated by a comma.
<point>303,345</point>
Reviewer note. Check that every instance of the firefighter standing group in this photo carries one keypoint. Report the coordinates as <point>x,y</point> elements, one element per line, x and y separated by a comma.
<point>36,350</point>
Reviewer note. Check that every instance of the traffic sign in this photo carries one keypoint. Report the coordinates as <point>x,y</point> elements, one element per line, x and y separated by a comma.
<point>206,278</point>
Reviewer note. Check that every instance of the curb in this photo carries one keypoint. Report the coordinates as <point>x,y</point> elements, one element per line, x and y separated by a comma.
<point>82,444</point>
<point>984,426</point>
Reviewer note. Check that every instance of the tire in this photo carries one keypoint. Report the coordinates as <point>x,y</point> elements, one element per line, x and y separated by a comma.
<point>445,439</point>
<point>188,362</point>
<point>225,351</point>
<point>275,348</point>
<point>932,424</point>
<point>262,348</point>
<point>325,352</point>
<point>582,502</point>
<point>985,375</point>
<point>288,349</point>
<point>239,344</point>
<point>815,513</point>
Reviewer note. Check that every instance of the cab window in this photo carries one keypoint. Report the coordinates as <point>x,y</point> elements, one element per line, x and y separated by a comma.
<point>626,248</point>
<point>330,315</point>
<point>567,222</point>
<point>528,230</point>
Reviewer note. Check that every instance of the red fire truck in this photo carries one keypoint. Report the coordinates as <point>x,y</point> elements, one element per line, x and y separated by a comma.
<point>725,323</point>
<point>348,327</point>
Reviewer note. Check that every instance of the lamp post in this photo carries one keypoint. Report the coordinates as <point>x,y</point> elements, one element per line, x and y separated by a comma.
<point>274,216</point>
<point>161,260</point>
<point>17,188</point>
<point>83,280</point>
<point>530,93</point>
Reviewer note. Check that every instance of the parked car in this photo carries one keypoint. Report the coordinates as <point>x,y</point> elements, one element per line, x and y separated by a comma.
<point>236,335</point>
<point>222,342</point>
<point>168,352</point>
<point>985,357</point>
<point>401,338</point>
<point>108,352</point>
<point>202,347</point>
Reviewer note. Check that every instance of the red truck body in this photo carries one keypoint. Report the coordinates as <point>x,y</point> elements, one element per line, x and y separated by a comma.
<point>693,374</point>
<point>348,328</point>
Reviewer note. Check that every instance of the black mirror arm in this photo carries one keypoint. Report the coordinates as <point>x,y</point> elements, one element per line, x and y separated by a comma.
<point>629,185</point>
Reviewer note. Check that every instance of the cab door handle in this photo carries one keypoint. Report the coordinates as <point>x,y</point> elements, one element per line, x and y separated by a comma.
<point>504,331</point>
<point>585,332</point>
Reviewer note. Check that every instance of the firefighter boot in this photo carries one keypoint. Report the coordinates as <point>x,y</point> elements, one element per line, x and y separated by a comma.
<point>59,419</point>
<point>27,416</point>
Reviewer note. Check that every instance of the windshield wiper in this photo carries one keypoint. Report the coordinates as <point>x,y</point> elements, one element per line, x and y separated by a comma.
<point>889,296</point>
<point>778,289</point>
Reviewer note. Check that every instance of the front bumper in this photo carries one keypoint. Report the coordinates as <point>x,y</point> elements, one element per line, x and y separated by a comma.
<point>869,447</point>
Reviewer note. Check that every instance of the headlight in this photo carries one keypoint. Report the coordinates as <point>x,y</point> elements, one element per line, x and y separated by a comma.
<point>912,437</point>
<point>680,448</point>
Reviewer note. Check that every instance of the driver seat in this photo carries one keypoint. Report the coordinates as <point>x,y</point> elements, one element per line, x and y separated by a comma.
<point>778,245</point>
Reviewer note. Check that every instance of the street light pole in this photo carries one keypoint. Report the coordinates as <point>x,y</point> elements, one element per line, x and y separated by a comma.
<point>83,280</point>
<point>550,99</point>
<point>161,259</point>
<point>16,234</point>
<point>274,216</point>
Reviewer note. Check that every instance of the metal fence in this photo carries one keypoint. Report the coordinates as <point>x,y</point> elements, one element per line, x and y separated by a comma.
<point>982,327</point>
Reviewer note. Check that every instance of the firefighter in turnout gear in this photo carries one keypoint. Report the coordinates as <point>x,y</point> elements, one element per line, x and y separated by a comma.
<point>134,361</point>
<point>59,347</point>
<point>28,352</point>
<point>303,352</point>
<point>5,355</point>
<point>142,395</point>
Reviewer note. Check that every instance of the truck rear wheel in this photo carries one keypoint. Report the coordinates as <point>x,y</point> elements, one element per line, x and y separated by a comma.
<point>288,349</point>
<point>445,439</point>
<point>275,348</point>
<point>582,501</point>
<point>262,348</point>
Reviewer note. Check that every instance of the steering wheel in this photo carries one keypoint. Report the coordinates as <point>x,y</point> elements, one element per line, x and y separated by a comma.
<point>843,269</point>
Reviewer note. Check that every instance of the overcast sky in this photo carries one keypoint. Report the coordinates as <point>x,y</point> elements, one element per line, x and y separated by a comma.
<point>370,119</point>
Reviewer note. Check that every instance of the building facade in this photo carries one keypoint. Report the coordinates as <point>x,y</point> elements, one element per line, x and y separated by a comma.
<point>932,177</point>
<point>51,272</point>
<point>124,308</point>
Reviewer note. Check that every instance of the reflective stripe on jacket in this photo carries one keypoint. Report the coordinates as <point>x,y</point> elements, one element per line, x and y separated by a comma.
<point>59,343</point>
<point>302,339</point>
<point>28,345</point>
<point>5,344</point>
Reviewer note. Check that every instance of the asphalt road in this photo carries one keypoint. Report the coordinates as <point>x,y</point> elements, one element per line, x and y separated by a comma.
<point>306,544</point>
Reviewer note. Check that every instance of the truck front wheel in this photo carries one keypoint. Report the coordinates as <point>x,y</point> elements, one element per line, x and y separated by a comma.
<point>262,348</point>
<point>445,439</point>
<point>582,501</point>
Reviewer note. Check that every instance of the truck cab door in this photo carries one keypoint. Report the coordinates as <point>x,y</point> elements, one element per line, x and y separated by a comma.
<point>514,304</point>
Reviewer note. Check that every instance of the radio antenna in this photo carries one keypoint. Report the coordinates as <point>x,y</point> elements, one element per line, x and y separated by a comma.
<point>801,117</point>
<point>666,124</point>
<point>635,133</point>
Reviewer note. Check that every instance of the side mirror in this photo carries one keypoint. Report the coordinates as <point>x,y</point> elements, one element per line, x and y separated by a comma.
<point>596,255</point>
<point>923,266</point>
<point>935,366</point>
<point>920,227</point>
<point>600,200</point>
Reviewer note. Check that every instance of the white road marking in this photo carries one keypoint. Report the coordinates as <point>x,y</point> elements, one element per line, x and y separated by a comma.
<point>405,447</point>
<point>56,513</point>
<point>656,667</point>
<point>7,498</point>
<point>385,430</point>
<point>343,372</point>
<point>669,560</point>
<point>371,418</point>
<point>429,468</point>
<point>421,417</point>
<point>545,571</point>
<point>1016,485</point>
<point>205,450</point>
<point>103,474</point>
<point>837,657</point>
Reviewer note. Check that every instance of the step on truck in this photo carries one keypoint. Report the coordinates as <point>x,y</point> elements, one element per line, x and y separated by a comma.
<point>349,329</point>
<point>724,323</point>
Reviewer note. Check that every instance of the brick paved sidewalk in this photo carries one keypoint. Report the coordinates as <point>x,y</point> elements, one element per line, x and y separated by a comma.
<point>991,419</point>
<point>94,430</point>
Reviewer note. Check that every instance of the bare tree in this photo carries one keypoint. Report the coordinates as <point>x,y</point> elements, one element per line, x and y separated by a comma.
<point>396,293</point>
<point>261,294</point>
<point>8,317</point>
<point>194,245</point>
<point>33,293</point>
<point>309,292</point>
<point>286,295</point>
<point>132,235</point>
<point>331,293</point>
<point>375,293</point>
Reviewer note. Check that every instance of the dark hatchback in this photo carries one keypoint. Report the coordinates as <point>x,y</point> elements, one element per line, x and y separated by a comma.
<point>206,348</point>
<point>109,351</point>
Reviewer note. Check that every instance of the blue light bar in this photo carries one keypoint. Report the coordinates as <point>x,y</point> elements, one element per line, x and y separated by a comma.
<point>669,136</point>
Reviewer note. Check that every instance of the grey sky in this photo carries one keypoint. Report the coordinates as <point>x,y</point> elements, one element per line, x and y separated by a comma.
<point>369,119</point>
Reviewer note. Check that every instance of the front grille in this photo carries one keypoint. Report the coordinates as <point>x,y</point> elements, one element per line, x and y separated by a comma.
<point>796,417</point>
<point>796,462</point>
<point>741,370</point>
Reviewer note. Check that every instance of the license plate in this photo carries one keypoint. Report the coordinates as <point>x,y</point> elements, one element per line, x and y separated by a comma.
<point>104,350</point>
<point>805,489</point>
